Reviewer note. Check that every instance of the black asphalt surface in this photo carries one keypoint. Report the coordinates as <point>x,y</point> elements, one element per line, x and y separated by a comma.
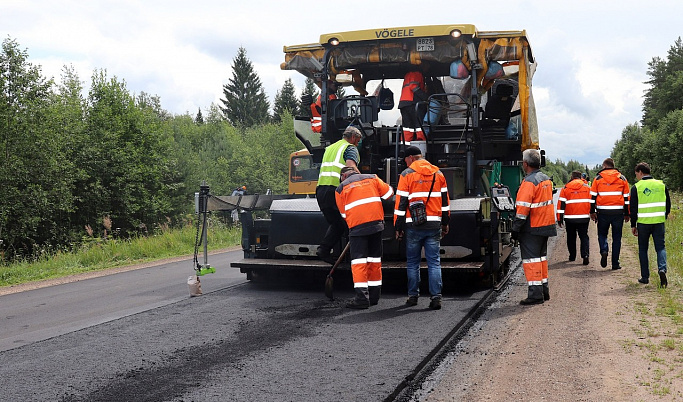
<point>239,341</point>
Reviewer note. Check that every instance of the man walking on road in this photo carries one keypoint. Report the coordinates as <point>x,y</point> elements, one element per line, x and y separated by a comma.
<point>359,198</point>
<point>574,212</point>
<point>422,212</point>
<point>610,207</point>
<point>534,223</point>
<point>650,207</point>
<point>341,153</point>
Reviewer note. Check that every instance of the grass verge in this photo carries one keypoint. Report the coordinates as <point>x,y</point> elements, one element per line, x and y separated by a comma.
<point>99,254</point>
<point>660,311</point>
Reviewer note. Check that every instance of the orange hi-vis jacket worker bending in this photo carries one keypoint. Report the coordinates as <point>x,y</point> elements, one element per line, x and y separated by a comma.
<point>575,202</point>
<point>359,199</point>
<point>535,221</point>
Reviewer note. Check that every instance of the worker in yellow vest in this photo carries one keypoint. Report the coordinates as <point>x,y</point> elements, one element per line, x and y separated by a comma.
<point>650,206</point>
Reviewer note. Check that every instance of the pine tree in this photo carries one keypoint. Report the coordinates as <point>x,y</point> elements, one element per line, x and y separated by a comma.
<point>199,119</point>
<point>285,100</point>
<point>666,86</point>
<point>245,102</point>
<point>309,89</point>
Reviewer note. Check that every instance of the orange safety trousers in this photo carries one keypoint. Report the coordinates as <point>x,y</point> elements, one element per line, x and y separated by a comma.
<point>366,260</point>
<point>534,250</point>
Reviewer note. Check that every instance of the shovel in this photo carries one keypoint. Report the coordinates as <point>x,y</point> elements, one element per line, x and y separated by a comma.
<point>329,282</point>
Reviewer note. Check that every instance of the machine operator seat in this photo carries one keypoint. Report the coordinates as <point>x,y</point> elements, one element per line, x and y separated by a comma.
<point>499,104</point>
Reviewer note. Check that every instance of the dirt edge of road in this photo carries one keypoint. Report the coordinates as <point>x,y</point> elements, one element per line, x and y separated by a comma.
<point>597,339</point>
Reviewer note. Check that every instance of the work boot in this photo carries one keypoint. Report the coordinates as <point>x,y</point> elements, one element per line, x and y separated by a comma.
<point>585,261</point>
<point>535,295</point>
<point>375,292</point>
<point>528,301</point>
<point>325,255</point>
<point>546,292</point>
<point>603,259</point>
<point>662,279</point>
<point>644,281</point>
<point>435,303</point>
<point>572,258</point>
<point>412,301</point>
<point>361,301</point>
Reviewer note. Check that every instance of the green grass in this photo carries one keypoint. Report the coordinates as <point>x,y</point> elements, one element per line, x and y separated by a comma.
<point>660,311</point>
<point>99,254</point>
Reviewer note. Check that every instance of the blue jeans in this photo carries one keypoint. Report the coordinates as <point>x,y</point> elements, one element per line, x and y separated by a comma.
<point>430,240</point>
<point>617,223</point>
<point>657,232</point>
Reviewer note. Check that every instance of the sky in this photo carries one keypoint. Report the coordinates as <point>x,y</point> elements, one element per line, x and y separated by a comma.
<point>592,55</point>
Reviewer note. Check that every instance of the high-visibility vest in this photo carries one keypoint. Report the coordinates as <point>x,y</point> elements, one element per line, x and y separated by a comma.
<point>333,162</point>
<point>575,202</point>
<point>359,199</point>
<point>611,192</point>
<point>651,201</point>
<point>534,205</point>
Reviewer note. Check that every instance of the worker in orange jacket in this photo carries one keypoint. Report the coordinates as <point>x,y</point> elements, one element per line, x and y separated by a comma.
<point>534,223</point>
<point>414,90</point>
<point>359,198</point>
<point>610,208</point>
<point>422,191</point>
<point>316,107</point>
<point>574,211</point>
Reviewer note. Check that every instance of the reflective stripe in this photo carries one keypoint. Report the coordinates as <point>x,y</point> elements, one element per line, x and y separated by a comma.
<point>541,204</point>
<point>375,283</point>
<point>533,260</point>
<point>535,283</point>
<point>357,261</point>
<point>429,218</point>
<point>360,285</point>
<point>610,193</point>
<point>446,208</point>
<point>363,201</point>
<point>520,216</point>
<point>560,211</point>
<point>331,174</point>
<point>424,195</point>
<point>398,212</point>
<point>374,259</point>
<point>610,207</point>
<point>523,204</point>
<point>576,216</point>
<point>402,193</point>
<point>650,214</point>
<point>388,194</point>
<point>561,199</point>
<point>577,201</point>
<point>652,205</point>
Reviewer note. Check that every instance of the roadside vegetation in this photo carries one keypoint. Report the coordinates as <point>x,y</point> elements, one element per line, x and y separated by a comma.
<point>659,312</point>
<point>101,251</point>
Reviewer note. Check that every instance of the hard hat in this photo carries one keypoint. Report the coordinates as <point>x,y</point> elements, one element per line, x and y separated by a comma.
<point>244,187</point>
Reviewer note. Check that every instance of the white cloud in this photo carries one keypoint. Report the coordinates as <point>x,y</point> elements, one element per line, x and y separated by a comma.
<point>592,55</point>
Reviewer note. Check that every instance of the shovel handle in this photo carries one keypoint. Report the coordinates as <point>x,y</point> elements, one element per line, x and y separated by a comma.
<point>340,258</point>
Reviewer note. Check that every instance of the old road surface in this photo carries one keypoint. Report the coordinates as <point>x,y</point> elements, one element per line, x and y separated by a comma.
<point>136,335</point>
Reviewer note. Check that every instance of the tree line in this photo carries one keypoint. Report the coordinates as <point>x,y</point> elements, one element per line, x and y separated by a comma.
<point>115,163</point>
<point>110,160</point>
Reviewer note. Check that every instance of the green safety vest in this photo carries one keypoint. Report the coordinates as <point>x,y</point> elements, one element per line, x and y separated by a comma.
<point>651,201</point>
<point>333,162</point>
